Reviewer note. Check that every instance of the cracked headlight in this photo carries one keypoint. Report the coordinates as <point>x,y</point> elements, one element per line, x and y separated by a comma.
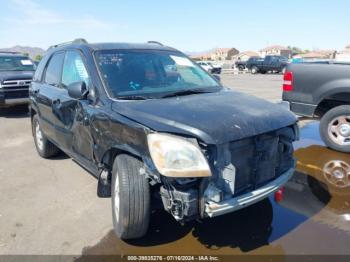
<point>176,157</point>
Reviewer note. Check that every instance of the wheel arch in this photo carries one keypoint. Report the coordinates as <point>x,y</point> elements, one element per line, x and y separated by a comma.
<point>109,155</point>
<point>107,161</point>
<point>331,100</point>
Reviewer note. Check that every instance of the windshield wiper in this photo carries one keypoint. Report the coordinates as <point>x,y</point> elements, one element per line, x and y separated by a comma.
<point>131,97</point>
<point>187,92</point>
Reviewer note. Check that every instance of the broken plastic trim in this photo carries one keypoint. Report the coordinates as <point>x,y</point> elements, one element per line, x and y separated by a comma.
<point>213,209</point>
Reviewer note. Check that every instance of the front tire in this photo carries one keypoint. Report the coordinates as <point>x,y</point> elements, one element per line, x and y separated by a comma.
<point>335,128</point>
<point>43,146</point>
<point>130,198</point>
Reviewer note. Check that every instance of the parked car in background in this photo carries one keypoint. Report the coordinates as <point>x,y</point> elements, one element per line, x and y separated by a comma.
<point>271,63</point>
<point>216,69</point>
<point>206,66</point>
<point>136,116</point>
<point>16,73</point>
<point>210,67</point>
<point>241,65</point>
<point>321,91</point>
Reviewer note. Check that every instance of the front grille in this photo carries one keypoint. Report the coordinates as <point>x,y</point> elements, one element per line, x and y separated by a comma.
<point>12,85</point>
<point>260,159</point>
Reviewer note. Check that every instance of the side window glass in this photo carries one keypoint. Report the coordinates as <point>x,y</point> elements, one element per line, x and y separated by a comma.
<point>74,69</point>
<point>53,70</point>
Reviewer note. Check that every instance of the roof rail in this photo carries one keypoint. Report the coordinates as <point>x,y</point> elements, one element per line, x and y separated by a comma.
<point>10,52</point>
<point>75,41</point>
<point>155,42</point>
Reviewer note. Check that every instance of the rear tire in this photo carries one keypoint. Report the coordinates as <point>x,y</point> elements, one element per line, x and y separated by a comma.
<point>130,198</point>
<point>240,68</point>
<point>254,70</point>
<point>43,146</point>
<point>335,128</point>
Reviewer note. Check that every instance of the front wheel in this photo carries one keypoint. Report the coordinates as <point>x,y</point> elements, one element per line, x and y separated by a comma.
<point>335,128</point>
<point>240,68</point>
<point>130,198</point>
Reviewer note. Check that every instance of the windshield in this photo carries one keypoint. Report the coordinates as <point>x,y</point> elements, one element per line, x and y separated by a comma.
<point>151,73</point>
<point>16,63</point>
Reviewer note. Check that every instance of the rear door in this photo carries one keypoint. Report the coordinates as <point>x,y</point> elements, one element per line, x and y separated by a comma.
<point>47,91</point>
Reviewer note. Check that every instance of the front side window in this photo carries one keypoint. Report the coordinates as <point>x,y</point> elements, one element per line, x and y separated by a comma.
<point>151,73</point>
<point>53,70</point>
<point>16,63</point>
<point>74,69</point>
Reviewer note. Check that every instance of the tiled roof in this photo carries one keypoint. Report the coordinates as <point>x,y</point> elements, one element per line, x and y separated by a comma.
<point>248,53</point>
<point>277,47</point>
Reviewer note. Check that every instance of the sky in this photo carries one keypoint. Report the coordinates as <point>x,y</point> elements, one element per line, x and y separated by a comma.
<point>192,25</point>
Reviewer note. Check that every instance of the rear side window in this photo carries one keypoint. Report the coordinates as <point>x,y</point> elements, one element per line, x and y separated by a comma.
<point>74,69</point>
<point>53,70</point>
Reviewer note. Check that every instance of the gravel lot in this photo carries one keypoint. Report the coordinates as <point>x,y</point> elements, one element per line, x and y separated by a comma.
<point>51,207</point>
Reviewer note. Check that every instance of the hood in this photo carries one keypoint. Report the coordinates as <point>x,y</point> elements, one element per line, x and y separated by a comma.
<point>214,118</point>
<point>15,75</point>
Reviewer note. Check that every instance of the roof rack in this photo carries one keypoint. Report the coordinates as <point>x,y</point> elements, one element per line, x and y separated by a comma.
<point>155,42</point>
<point>10,52</point>
<point>75,41</point>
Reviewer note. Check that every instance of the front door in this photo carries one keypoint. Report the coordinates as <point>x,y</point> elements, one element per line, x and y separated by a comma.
<point>75,134</point>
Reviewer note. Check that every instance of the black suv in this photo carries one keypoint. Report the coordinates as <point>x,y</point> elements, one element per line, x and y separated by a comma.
<point>154,127</point>
<point>16,73</point>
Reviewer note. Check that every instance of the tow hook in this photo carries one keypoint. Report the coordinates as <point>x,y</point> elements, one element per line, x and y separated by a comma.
<point>279,194</point>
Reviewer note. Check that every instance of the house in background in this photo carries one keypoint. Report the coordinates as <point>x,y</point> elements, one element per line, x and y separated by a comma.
<point>276,50</point>
<point>217,54</point>
<point>244,56</point>
<point>344,55</point>
<point>201,57</point>
<point>223,53</point>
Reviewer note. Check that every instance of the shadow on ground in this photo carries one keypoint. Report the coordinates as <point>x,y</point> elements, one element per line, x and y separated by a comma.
<point>242,231</point>
<point>20,111</point>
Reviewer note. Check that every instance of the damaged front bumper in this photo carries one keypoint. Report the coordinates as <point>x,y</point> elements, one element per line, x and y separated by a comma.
<point>213,209</point>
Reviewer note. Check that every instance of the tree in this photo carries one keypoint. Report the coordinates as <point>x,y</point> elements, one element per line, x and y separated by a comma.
<point>38,57</point>
<point>295,50</point>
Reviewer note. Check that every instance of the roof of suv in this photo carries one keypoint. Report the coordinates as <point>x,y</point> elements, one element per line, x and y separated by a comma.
<point>154,46</point>
<point>151,45</point>
<point>15,54</point>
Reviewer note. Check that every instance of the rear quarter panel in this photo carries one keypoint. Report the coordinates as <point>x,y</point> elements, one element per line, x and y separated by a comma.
<point>314,82</point>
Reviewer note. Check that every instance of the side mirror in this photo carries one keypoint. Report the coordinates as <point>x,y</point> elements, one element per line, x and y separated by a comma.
<point>78,90</point>
<point>217,77</point>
